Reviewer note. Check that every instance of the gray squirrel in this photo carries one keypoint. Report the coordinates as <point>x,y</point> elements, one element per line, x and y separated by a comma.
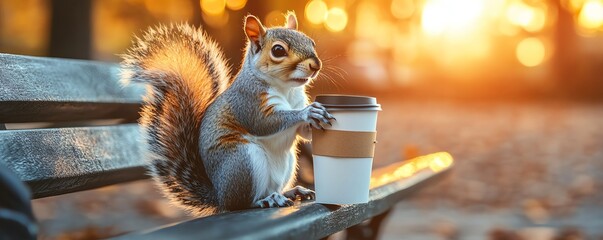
<point>217,143</point>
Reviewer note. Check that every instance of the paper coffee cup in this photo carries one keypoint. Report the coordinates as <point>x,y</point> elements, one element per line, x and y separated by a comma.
<point>343,153</point>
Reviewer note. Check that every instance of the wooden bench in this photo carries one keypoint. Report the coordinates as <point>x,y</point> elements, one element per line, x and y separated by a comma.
<point>70,148</point>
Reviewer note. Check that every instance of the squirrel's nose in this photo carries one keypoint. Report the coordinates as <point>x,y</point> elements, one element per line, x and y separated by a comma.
<point>316,65</point>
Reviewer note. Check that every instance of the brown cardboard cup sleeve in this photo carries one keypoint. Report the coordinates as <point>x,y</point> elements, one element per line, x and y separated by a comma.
<point>347,144</point>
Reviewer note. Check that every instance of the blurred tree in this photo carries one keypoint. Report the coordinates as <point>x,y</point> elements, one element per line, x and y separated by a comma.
<point>564,60</point>
<point>70,29</point>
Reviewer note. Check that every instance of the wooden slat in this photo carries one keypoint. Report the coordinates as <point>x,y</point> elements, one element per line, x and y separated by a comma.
<point>307,220</point>
<point>63,160</point>
<point>36,89</point>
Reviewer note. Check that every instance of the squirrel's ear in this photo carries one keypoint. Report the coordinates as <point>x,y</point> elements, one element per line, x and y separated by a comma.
<point>291,21</point>
<point>254,30</point>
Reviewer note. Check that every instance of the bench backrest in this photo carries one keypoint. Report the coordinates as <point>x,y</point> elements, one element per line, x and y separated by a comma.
<point>71,150</point>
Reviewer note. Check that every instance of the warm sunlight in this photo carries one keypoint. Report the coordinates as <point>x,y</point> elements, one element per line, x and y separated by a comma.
<point>591,16</point>
<point>435,162</point>
<point>440,163</point>
<point>453,17</point>
<point>532,19</point>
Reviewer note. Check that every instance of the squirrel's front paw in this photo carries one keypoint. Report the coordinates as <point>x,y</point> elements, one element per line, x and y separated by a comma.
<point>274,200</point>
<point>300,192</point>
<point>316,113</point>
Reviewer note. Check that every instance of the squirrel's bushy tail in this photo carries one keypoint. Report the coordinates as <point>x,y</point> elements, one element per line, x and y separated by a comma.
<point>185,72</point>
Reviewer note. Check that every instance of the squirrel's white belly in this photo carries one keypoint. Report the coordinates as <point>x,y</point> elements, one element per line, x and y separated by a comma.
<point>274,162</point>
<point>273,157</point>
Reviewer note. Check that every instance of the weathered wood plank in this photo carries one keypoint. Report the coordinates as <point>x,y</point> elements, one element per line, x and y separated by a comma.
<point>307,220</point>
<point>36,89</point>
<point>63,160</point>
<point>25,78</point>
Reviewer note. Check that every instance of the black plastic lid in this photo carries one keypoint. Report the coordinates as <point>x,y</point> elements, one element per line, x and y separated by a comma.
<point>335,102</point>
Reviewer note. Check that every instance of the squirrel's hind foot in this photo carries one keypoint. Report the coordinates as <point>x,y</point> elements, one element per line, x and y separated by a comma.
<point>274,200</point>
<point>299,192</point>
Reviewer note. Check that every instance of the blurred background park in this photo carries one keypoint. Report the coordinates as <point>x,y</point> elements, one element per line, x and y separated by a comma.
<point>511,88</point>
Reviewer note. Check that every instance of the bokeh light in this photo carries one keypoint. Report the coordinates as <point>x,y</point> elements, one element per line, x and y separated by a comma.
<point>213,7</point>
<point>336,19</point>
<point>274,18</point>
<point>393,41</point>
<point>531,19</point>
<point>591,15</point>
<point>538,20</point>
<point>316,11</point>
<point>235,4</point>
<point>402,9</point>
<point>530,52</point>
<point>367,17</point>
<point>460,16</point>
<point>573,5</point>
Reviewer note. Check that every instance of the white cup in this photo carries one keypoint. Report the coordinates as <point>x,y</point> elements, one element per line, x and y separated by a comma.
<point>342,174</point>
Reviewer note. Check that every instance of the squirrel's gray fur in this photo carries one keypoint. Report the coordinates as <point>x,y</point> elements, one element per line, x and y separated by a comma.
<point>215,144</point>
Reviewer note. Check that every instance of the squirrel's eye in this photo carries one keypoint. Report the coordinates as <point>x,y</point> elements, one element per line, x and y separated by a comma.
<point>278,51</point>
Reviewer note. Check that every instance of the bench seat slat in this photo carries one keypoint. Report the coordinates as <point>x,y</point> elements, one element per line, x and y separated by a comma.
<point>34,89</point>
<point>302,221</point>
<point>62,160</point>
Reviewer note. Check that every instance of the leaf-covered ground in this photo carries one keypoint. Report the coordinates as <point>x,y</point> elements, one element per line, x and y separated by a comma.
<point>523,170</point>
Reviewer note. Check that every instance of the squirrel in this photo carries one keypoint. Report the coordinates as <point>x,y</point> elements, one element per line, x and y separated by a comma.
<point>217,143</point>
